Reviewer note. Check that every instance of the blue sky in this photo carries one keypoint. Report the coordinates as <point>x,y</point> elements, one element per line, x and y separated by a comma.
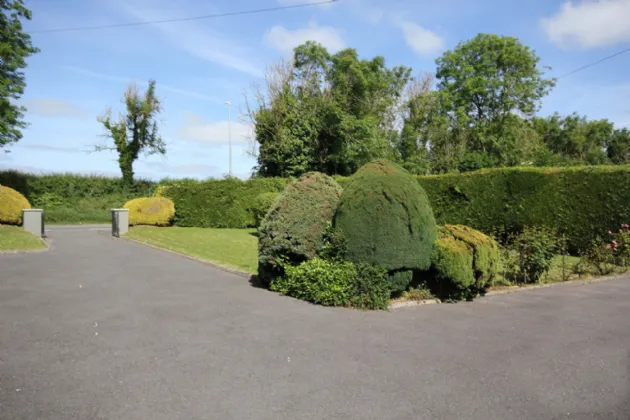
<point>198,65</point>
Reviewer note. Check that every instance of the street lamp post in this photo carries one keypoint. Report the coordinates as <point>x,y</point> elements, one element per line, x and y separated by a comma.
<point>229,105</point>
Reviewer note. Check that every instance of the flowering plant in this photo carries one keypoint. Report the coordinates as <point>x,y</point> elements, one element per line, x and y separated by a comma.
<point>619,244</point>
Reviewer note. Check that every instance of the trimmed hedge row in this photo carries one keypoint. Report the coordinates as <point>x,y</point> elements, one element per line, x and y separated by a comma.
<point>72,198</point>
<point>68,187</point>
<point>226,203</point>
<point>581,202</point>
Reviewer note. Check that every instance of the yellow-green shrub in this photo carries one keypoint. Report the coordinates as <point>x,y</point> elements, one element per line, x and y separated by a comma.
<point>155,211</point>
<point>11,205</point>
<point>464,262</point>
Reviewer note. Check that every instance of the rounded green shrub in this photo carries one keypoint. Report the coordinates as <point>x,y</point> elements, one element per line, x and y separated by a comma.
<point>261,205</point>
<point>485,251</point>
<point>464,262</point>
<point>154,211</point>
<point>293,229</point>
<point>11,205</point>
<point>386,219</point>
<point>452,267</point>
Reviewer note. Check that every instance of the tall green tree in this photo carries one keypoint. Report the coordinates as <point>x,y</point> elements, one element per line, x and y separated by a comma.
<point>618,146</point>
<point>15,48</point>
<point>575,137</point>
<point>136,131</point>
<point>484,83</point>
<point>326,112</point>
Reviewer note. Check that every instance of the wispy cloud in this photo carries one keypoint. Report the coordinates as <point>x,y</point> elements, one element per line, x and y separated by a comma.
<point>216,133</point>
<point>197,40</point>
<point>589,24</point>
<point>50,107</point>
<point>284,40</point>
<point>119,79</point>
<point>51,148</point>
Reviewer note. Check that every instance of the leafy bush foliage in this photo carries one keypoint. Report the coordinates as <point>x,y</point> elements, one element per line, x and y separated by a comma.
<point>386,219</point>
<point>222,203</point>
<point>261,205</point>
<point>535,248</point>
<point>154,211</point>
<point>335,283</point>
<point>11,205</point>
<point>465,262</point>
<point>582,202</point>
<point>293,229</point>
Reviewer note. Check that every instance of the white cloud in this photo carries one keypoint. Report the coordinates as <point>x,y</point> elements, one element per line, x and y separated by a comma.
<point>215,133</point>
<point>589,24</point>
<point>421,40</point>
<point>284,40</point>
<point>49,107</point>
<point>127,80</point>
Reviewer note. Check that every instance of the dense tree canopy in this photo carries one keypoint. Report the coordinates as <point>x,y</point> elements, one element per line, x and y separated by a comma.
<point>335,112</point>
<point>323,112</point>
<point>15,47</point>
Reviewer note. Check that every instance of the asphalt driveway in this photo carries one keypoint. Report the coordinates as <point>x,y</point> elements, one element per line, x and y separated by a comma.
<point>99,328</point>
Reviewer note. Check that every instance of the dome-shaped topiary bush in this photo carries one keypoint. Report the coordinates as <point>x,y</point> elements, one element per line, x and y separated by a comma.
<point>294,227</point>
<point>464,262</point>
<point>11,205</point>
<point>154,211</point>
<point>386,219</point>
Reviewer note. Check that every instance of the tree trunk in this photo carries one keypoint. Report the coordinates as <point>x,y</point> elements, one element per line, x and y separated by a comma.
<point>126,167</point>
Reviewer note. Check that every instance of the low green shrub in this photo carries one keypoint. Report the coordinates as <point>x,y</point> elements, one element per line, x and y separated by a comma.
<point>535,248</point>
<point>261,205</point>
<point>452,270</point>
<point>486,253</point>
<point>335,283</point>
<point>464,263</point>
<point>293,229</point>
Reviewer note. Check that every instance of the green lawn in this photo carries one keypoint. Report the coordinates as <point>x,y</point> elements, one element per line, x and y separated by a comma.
<point>14,238</point>
<point>237,248</point>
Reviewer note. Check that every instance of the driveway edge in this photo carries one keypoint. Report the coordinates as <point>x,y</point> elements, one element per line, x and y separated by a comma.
<point>213,264</point>
<point>588,280</point>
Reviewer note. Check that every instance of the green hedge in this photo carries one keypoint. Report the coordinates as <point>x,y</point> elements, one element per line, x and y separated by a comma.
<point>581,202</point>
<point>223,203</point>
<point>72,198</point>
